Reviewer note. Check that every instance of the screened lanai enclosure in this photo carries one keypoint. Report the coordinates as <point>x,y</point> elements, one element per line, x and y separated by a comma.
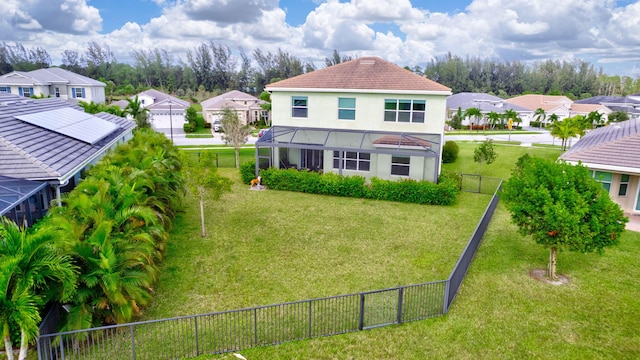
<point>23,201</point>
<point>386,155</point>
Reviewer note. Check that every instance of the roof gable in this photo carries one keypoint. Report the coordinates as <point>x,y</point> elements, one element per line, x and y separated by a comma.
<point>617,144</point>
<point>234,99</point>
<point>367,73</point>
<point>535,101</point>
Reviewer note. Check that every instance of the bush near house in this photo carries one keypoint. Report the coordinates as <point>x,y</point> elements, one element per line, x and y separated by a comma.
<point>411,191</point>
<point>450,152</point>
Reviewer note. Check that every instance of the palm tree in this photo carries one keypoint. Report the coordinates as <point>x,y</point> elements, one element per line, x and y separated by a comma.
<point>540,116</point>
<point>566,129</point>
<point>513,115</point>
<point>473,114</point>
<point>494,119</point>
<point>595,118</point>
<point>33,271</point>
<point>139,113</point>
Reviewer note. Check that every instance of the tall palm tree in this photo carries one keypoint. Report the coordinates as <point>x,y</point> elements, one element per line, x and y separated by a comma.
<point>33,270</point>
<point>540,116</point>
<point>513,115</point>
<point>472,114</point>
<point>566,129</point>
<point>595,119</point>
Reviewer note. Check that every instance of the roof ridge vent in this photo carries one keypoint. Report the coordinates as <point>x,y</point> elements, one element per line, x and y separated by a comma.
<point>367,62</point>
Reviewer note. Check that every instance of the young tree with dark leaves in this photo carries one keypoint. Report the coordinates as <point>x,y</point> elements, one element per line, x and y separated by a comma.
<point>561,207</point>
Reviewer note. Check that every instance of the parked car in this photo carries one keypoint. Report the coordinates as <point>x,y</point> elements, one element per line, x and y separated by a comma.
<point>217,126</point>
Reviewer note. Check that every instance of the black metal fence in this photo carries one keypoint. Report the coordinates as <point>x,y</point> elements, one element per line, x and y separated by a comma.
<point>233,330</point>
<point>479,184</point>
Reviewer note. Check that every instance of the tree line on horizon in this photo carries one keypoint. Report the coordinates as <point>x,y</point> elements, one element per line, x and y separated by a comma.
<point>215,68</point>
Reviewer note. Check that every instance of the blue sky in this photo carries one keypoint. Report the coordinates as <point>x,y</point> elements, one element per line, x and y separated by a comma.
<point>407,32</point>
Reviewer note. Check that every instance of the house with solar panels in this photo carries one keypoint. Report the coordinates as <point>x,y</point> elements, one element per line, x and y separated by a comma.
<point>53,82</point>
<point>365,117</point>
<point>45,145</point>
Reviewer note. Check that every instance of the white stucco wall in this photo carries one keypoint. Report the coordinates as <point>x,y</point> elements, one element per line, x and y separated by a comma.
<point>323,111</point>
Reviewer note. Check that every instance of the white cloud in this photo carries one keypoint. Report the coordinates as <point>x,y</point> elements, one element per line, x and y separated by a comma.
<point>393,29</point>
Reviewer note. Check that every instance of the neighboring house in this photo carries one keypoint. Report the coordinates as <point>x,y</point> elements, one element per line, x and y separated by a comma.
<point>628,104</point>
<point>486,103</point>
<point>246,106</point>
<point>45,144</point>
<point>166,111</point>
<point>365,117</point>
<point>612,153</point>
<point>53,82</point>
<point>551,104</point>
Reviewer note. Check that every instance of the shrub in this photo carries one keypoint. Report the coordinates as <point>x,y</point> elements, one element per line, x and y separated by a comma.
<point>206,125</point>
<point>450,152</point>
<point>406,190</point>
<point>189,128</point>
<point>248,171</point>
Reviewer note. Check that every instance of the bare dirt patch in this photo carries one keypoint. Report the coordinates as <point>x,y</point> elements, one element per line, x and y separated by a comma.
<point>541,275</point>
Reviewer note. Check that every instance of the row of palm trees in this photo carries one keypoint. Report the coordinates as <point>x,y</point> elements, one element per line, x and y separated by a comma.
<point>134,108</point>
<point>98,252</point>
<point>491,119</point>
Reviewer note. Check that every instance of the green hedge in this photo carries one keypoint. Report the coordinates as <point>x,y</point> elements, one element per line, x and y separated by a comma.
<point>248,171</point>
<point>420,192</point>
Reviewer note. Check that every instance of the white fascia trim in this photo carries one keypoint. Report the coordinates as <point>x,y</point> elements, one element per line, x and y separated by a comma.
<point>612,168</point>
<point>102,152</point>
<point>361,91</point>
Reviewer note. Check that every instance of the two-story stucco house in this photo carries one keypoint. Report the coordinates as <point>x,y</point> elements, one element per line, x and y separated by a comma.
<point>53,82</point>
<point>612,153</point>
<point>366,117</point>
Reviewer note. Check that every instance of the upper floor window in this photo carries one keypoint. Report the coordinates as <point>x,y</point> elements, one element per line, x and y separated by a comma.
<point>25,91</point>
<point>5,89</point>
<point>299,106</point>
<point>346,108</point>
<point>624,185</point>
<point>407,111</point>
<point>359,161</point>
<point>604,178</point>
<point>400,165</point>
<point>77,92</point>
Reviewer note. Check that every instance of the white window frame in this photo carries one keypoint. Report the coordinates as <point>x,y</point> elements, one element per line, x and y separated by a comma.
<point>398,165</point>
<point>405,111</point>
<point>299,110</point>
<point>361,160</point>
<point>624,185</point>
<point>345,111</point>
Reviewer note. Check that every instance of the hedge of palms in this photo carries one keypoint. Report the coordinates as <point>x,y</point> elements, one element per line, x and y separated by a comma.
<point>106,239</point>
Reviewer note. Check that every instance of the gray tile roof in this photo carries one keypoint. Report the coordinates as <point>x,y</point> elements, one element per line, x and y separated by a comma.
<point>47,77</point>
<point>484,102</point>
<point>234,99</point>
<point>31,152</point>
<point>161,100</point>
<point>615,145</point>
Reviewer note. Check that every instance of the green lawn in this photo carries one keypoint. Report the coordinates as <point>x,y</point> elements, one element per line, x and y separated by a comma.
<point>266,247</point>
<point>507,155</point>
<point>502,313</point>
<point>225,155</point>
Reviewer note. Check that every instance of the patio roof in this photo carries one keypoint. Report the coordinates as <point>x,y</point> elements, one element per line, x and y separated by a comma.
<point>385,142</point>
<point>15,191</point>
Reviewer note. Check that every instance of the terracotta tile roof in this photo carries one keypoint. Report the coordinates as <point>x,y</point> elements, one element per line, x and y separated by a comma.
<point>615,145</point>
<point>534,101</point>
<point>587,108</point>
<point>366,73</point>
<point>398,140</point>
<point>234,99</point>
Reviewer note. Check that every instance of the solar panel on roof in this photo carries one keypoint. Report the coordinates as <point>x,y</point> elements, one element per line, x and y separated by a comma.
<point>73,123</point>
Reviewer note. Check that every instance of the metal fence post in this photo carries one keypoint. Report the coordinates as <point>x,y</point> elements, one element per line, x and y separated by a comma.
<point>361,323</point>
<point>195,322</point>
<point>62,347</point>
<point>310,317</point>
<point>400,297</point>
<point>255,326</point>
<point>133,344</point>
<point>446,295</point>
